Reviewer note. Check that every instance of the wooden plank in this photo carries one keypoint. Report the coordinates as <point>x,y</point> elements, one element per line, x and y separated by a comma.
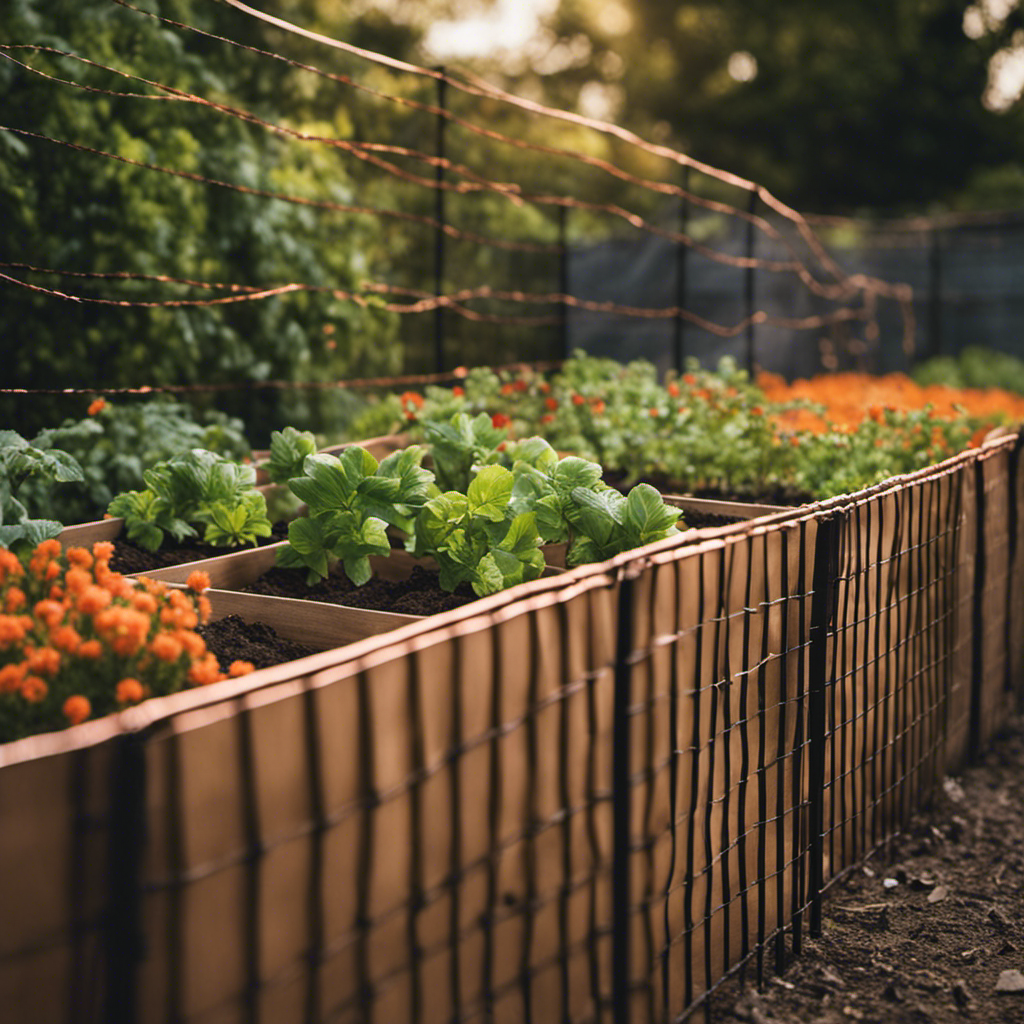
<point>737,509</point>
<point>316,623</point>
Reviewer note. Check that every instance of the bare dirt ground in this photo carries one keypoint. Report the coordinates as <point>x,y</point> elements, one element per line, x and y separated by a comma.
<point>930,931</point>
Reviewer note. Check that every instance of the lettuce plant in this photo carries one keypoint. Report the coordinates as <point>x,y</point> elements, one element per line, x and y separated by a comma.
<point>20,461</point>
<point>461,446</point>
<point>352,500</point>
<point>196,488</point>
<point>606,523</point>
<point>288,451</point>
<point>477,538</point>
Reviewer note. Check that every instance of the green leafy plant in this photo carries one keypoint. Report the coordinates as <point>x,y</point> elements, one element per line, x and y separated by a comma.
<point>607,523</point>
<point>196,488</point>
<point>21,460</point>
<point>477,538</point>
<point>461,446</point>
<point>352,500</point>
<point>116,443</point>
<point>288,451</point>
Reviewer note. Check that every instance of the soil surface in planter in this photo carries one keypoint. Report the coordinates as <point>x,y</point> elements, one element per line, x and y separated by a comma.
<point>233,639</point>
<point>418,595</point>
<point>129,557</point>
<point>776,496</point>
<point>930,931</point>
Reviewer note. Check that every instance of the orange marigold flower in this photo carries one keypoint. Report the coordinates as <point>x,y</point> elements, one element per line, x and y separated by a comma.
<point>205,671</point>
<point>81,558</point>
<point>11,677</point>
<point>66,639</point>
<point>77,709</point>
<point>507,389</point>
<point>543,387</point>
<point>77,580</point>
<point>95,406</point>
<point>689,379</point>
<point>412,398</point>
<point>14,599</point>
<point>458,392</point>
<point>49,612</point>
<point>547,418</point>
<point>756,410</point>
<point>240,668</point>
<point>45,661</point>
<point>9,565</point>
<point>143,602</point>
<point>193,643</point>
<point>578,400</point>
<point>166,647</point>
<point>91,649</point>
<point>598,407</point>
<point>93,600</point>
<point>56,592</point>
<point>520,385</point>
<point>673,390</point>
<point>205,609</point>
<point>653,412</point>
<point>551,403</point>
<point>198,581</point>
<point>12,630</point>
<point>124,628</point>
<point>129,691</point>
<point>102,550</point>
<point>34,689</point>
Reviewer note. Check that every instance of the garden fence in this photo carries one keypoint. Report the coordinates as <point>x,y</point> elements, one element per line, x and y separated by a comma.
<point>592,798</point>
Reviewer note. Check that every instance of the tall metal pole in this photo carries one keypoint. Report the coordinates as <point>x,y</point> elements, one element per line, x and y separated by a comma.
<point>682,251</point>
<point>439,216</point>
<point>748,287</point>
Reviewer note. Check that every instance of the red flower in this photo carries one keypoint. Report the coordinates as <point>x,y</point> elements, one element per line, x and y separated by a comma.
<point>507,389</point>
<point>597,407</point>
<point>97,405</point>
<point>458,392</point>
<point>520,385</point>
<point>413,398</point>
<point>578,400</point>
<point>499,420</point>
<point>547,418</point>
<point>551,403</point>
<point>673,390</point>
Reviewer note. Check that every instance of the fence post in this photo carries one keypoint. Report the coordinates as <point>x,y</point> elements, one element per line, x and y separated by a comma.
<point>621,799</point>
<point>977,614</point>
<point>934,291</point>
<point>439,216</point>
<point>563,280</point>
<point>1013,528</point>
<point>824,570</point>
<point>682,251</point>
<point>123,939</point>
<point>748,286</point>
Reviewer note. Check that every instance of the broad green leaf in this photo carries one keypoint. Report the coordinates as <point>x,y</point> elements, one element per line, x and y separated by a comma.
<point>522,536</point>
<point>551,524</point>
<point>306,539</point>
<point>535,452</point>
<point>488,577</point>
<point>288,451</point>
<point>413,480</point>
<point>358,569</point>
<point>583,552</point>
<point>440,516</point>
<point>489,493</point>
<point>572,472</point>
<point>325,483</point>
<point>647,517</point>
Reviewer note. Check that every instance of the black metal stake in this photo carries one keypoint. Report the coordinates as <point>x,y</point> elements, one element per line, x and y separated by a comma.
<point>439,216</point>
<point>978,615</point>
<point>621,756</point>
<point>821,607</point>
<point>682,250</point>
<point>563,280</point>
<point>934,292</point>
<point>748,285</point>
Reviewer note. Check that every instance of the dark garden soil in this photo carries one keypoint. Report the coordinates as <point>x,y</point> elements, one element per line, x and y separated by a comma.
<point>232,639</point>
<point>418,595</point>
<point>129,557</point>
<point>930,931</point>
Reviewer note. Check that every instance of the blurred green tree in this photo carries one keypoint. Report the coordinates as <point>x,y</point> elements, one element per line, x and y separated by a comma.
<point>76,211</point>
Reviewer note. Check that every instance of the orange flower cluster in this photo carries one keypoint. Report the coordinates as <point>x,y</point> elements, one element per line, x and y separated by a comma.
<point>78,640</point>
<point>849,398</point>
